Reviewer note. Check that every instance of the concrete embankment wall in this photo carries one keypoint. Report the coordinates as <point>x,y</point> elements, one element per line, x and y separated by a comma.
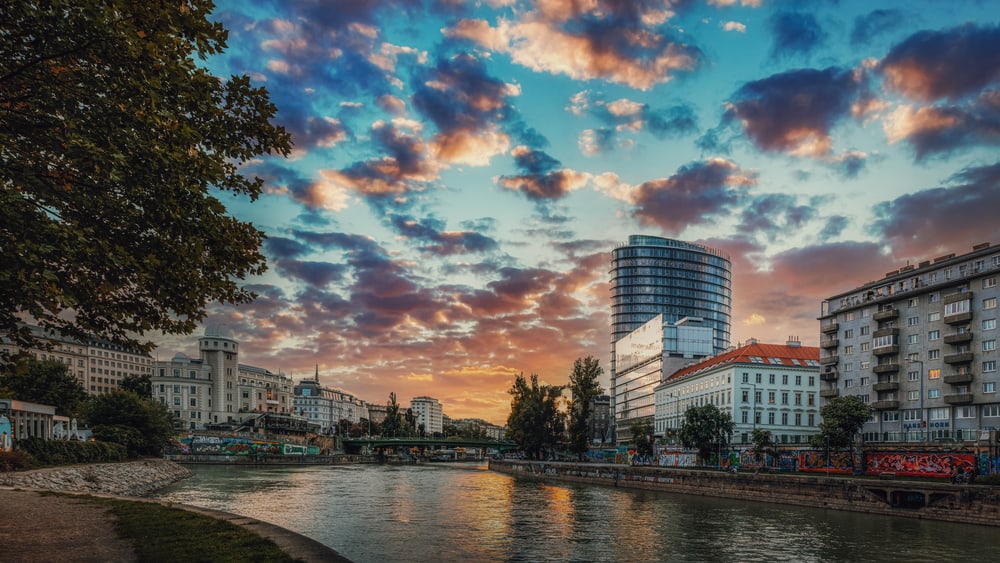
<point>131,478</point>
<point>970,504</point>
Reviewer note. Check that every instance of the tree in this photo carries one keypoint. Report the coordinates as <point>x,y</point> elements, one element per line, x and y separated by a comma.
<point>763,444</point>
<point>534,422</point>
<point>112,141</point>
<point>140,384</point>
<point>641,431</point>
<point>143,426</point>
<point>46,382</point>
<point>843,418</point>
<point>392,426</point>
<point>706,429</point>
<point>584,386</point>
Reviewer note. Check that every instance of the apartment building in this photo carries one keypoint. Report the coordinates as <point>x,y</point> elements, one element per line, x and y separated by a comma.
<point>325,406</point>
<point>428,411</point>
<point>919,346</point>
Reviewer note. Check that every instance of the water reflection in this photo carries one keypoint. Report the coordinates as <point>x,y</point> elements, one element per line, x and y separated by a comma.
<point>455,513</point>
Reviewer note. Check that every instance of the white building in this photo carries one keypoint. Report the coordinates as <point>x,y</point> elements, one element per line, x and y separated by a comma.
<point>216,388</point>
<point>326,407</point>
<point>429,413</point>
<point>774,387</point>
<point>644,357</point>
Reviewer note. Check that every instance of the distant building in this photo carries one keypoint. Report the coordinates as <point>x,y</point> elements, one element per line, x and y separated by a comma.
<point>29,420</point>
<point>216,388</point>
<point>772,387</point>
<point>99,365</point>
<point>919,346</point>
<point>599,423</point>
<point>376,413</point>
<point>653,276</point>
<point>479,426</point>
<point>325,406</point>
<point>429,414</point>
<point>644,358</point>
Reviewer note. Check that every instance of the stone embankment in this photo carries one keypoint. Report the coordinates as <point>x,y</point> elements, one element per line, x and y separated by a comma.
<point>132,478</point>
<point>968,504</point>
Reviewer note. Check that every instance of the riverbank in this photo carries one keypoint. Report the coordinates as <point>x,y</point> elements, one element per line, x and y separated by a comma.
<point>72,526</point>
<point>967,504</point>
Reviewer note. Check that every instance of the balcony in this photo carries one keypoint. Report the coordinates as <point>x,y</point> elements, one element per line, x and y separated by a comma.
<point>885,405</point>
<point>958,378</point>
<point>828,375</point>
<point>828,393</point>
<point>960,358</point>
<point>828,328</point>
<point>829,343</point>
<point>958,338</point>
<point>886,350</point>
<point>886,368</point>
<point>886,386</point>
<point>829,360</point>
<point>886,314</point>
<point>958,399</point>
<point>890,331</point>
<point>960,318</point>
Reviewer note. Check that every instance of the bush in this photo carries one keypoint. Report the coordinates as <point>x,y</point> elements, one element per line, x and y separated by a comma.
<point>61,452</point>
<point>16,461</point>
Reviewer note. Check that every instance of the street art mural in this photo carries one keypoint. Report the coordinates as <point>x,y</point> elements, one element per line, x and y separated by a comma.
<point>816,462</point>
<point>919,464</point>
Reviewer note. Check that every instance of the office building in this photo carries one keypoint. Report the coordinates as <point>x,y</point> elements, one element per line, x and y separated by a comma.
<point>919,346</point>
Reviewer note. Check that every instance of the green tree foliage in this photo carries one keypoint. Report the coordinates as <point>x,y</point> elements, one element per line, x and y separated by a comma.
<point>392,426</point>
<point>140,384</point>
<point>706,429</point>
<point>113,141</point>
<point>843,418</point>
<point>43,381</point>
<point>642,432</point>
<point>584,385</point>
<point>534,422</point>
<point>763,444</point>
<point>143,426</point>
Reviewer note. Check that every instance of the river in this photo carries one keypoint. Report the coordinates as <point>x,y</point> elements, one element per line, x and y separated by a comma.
<point>464,512</point>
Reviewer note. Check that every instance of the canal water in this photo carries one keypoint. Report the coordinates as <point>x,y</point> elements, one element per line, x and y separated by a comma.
<point>464,512</point>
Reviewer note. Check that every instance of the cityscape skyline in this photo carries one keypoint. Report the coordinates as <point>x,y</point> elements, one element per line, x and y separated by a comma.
<point>462,172</point>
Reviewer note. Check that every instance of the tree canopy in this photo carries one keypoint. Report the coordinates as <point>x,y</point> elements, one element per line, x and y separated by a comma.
<point>843,418</point>
<point>113,142</point>
<point>143,426</point>
<point>46,382</point>
<point>584,385</point>
<point>642,432</point>
<point>534,422</point>
<point>707,429</point>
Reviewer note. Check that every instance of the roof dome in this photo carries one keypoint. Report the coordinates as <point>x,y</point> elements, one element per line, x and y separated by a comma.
<point>180,357</point>
<point>218,331</point>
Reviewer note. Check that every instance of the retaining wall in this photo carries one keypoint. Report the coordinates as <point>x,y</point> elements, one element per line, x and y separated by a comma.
<point>130,478</point>
<point>970,504</point>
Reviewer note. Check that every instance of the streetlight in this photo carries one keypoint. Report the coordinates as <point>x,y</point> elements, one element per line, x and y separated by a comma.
<point>754,405</point>
<point>923,428</point>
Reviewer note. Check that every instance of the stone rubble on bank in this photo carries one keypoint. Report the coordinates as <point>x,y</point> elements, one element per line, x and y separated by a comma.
<point>131,478</point>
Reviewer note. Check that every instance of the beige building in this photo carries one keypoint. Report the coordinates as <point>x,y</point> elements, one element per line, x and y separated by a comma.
<point>429,414</point>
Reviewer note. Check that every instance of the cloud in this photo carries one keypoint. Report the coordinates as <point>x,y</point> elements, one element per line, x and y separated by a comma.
<point>542,180</point>
<point>877,22</point>
<point>849,164</point>
<point>622,42</point>
<point>795,33</point>
<point>734,26</point>
<point>774,215</point>
<point>624,116</point>
<point>941,219</point>
<point>441,242</point>
<point>794,111</point>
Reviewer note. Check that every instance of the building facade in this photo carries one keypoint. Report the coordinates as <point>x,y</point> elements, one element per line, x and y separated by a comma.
<point>653,276</point>
<point>644,358</point>
<point>326,407</point>
<point>919,346</point>
<point>99,365</point>
<point>429,414</point>
<point>773,387</point>
<point>215,388</point>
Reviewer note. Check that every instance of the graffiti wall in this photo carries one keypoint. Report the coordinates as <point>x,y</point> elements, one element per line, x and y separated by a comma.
<point>224,445</point>
<point>919,464</point>
<point>816,462</point>
<point>678,459</point>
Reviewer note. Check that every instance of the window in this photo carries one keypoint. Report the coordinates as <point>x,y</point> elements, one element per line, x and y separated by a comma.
<point>798,419</point>
<point>849,349</point>
<point>989,324</point>
<point>990,303</point>
<point>990,282</point>
<point>759,378</point>
<point>912,321</point>
<point>812,380</point>
<point>798,398</point>
<point>933,354</point>
<point>965,412</point>
<point>177,388</point>
<point>864,381</point>
<point>911,414</point>
<point>784,398</point>
<point>812,419</point>
<point>989,345</point>
<point>177,401</point>
<point>784,379</point>
<point>746,377</point>
<point>933,393</point>
<point>991,410</point>
<point>989,366</point>
<point>913,395</point>
<point>934,373</point>
<point>865,330</point>
<point>884,341</point>
<point>934,335</point>
<point>812,402</point>
<point>756,396</point>
<point>866,346</point>
<point>770,378</point>
<point>849,333</point>
<point>746,396</point>
<point>848,366</point>
<point>890,416</point>
<point>770,418</point>
<point>941,413</point>
<point>193,374</point>
<point>865,365</point>
<point>770,397</point>
<point>193,402</point>
<point>956,308</point>
<point>784,418</point>
<point>914,301</point>
<point>798,380</point>
<point>745,417</point>
<point>934,297</point>
<point>913,339</point>
<point>848,383</point>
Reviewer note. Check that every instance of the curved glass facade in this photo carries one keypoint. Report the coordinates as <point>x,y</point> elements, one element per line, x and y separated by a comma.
<point>654,275</point>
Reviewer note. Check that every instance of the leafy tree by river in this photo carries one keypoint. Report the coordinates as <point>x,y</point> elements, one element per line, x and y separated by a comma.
<point>584,386</point>
<point>707,429</point>
<point>143,426</point>
<point>113,139</point>
<point>843,418</point>
<point>46,382</point>
<point>534,422</point>
<point>642,433</point>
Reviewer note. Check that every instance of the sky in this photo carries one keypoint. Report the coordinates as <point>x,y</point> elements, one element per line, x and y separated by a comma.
<point>462,171</point>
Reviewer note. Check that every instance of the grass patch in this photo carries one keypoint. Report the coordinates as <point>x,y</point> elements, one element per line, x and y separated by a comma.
<point>161,533</point>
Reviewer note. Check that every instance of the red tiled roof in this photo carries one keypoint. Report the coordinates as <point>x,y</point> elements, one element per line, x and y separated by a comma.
<point>766,352</point>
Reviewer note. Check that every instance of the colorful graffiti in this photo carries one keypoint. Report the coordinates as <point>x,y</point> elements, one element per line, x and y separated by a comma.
<point>918,464</point>
<point>816,462</point>
<point>224,445</point>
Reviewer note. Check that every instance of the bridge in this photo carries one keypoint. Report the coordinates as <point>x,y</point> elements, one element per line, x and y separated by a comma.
<point>354,445</point>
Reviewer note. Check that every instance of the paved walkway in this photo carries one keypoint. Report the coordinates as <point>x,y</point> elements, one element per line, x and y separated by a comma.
<point>39,528</point>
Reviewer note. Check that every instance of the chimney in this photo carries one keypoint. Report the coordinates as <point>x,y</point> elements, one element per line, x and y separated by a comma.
<point>793,342</point>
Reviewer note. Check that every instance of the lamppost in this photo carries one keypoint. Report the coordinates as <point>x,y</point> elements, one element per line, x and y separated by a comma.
<point>923,424</point>
<point>754,406</point>
<point>673,417</point>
